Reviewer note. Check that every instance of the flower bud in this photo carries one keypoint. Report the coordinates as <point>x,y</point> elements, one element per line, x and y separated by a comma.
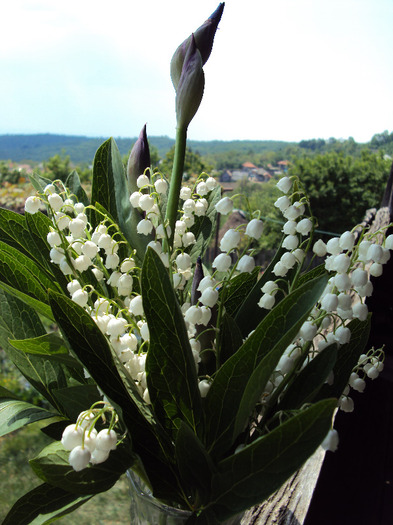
<point>222,262</point>
<point>224,206</point>
<point>79,458</point>
<point>254,228</point>
<point>230,240</point>
<point>190,88</point>
<point>246,264</point>
<point>209,297</point>
<point>204,37</point>
<point>139,160</point>
<point>196,282</point>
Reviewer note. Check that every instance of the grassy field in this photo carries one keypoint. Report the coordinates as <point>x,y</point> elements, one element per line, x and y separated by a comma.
<point>16,478</point>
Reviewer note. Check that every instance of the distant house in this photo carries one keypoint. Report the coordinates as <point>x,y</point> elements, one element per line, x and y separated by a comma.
<point>26,168</point>
<point>226,176</point>
<point>283,165</point>
<point>248,166</point>
<point>248,171</point>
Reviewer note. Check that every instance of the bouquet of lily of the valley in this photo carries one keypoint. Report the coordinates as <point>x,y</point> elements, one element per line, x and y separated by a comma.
<point>214,384</point>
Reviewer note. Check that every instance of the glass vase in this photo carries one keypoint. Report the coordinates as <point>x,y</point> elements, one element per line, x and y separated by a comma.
<point>147,510</point>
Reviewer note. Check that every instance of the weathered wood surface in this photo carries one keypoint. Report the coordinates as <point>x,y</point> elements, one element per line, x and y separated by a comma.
<point>289,505</point>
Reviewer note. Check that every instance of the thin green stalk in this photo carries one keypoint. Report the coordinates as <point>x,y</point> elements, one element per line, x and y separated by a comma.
<point>175,182</point>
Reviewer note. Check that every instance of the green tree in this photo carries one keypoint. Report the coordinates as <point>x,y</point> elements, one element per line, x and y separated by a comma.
<point>58,167</point>
<point>342,188</point>
<point>193,163</point>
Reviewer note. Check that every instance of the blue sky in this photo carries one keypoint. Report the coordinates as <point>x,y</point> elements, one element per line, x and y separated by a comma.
<point>280,69</point>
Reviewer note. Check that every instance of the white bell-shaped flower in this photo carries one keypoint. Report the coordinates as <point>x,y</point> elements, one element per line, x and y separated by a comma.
<point>79,458</point>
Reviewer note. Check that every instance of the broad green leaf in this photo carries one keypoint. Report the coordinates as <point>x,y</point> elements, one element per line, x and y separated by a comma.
<point>47,344</point>
<point>29,266</point>
<point>238,289</point>
<point>15,414</point>
<point>312,274</point>
<point>31,302</point>
<point>45,373</point>
<point>110,190</point>
<point>43,505</point>
<point>92,349</point>
<point>7,394</point>
<point>347,358</point>
<point>73,183</point>
<point>205,226</point>
<point>170,366</point>
<point>39,182</point>
<point>195,465</point>
<point>76,399</point>
<point>14,231</point>
<point>310,380</point>
<point>239,382</point>
<point>52,466</point>
<point>259,469</point>
<point>231,338</point>
<point>19,321</point>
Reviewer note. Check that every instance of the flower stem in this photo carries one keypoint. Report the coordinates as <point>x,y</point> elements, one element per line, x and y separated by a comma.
<point>176,180</point>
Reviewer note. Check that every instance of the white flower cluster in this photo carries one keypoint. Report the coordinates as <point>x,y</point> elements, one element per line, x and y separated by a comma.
<point>76,247</point>
<point>343,299</point>
<point>85,444</point>
<point>296,229</point>
<point>369,365</point>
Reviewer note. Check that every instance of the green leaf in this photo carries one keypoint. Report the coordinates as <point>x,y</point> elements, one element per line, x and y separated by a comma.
<point>312,274</point>
<point>347,358</point>
<point>15,414</point>
<point>47,344</point>
<point>39,182</point>
<point>239,382</point>
<point>91,347</point>
<point>73,183</point>
<point>310,380</point>
<point>237,290</point>
<point>7,394</point>
<point>52,466</point>
<point>231,338</point>
<point>43,505</point>
<point>110,190</point>
<point>28,265</point>
<point>259,469</point>
<point>31,302</point>
<point>14,231</point>
<point>19,321</point>
<point>170,366</point>
<point>205,226</point>
<point>76,399</point>
<point>195,465</point>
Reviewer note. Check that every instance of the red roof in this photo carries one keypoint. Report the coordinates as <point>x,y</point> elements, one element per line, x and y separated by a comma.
<point>248,165</point>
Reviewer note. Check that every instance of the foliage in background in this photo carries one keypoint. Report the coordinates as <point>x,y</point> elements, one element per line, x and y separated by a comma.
<point>341,188</point>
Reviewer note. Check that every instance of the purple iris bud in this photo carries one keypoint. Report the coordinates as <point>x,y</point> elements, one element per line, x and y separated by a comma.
<point>198,276</point>
<point>190,88</point>
<point>204,37</point>
<point>139,160</point>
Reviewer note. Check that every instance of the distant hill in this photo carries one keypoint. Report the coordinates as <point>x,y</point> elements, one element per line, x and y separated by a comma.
<point>81,149</point>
